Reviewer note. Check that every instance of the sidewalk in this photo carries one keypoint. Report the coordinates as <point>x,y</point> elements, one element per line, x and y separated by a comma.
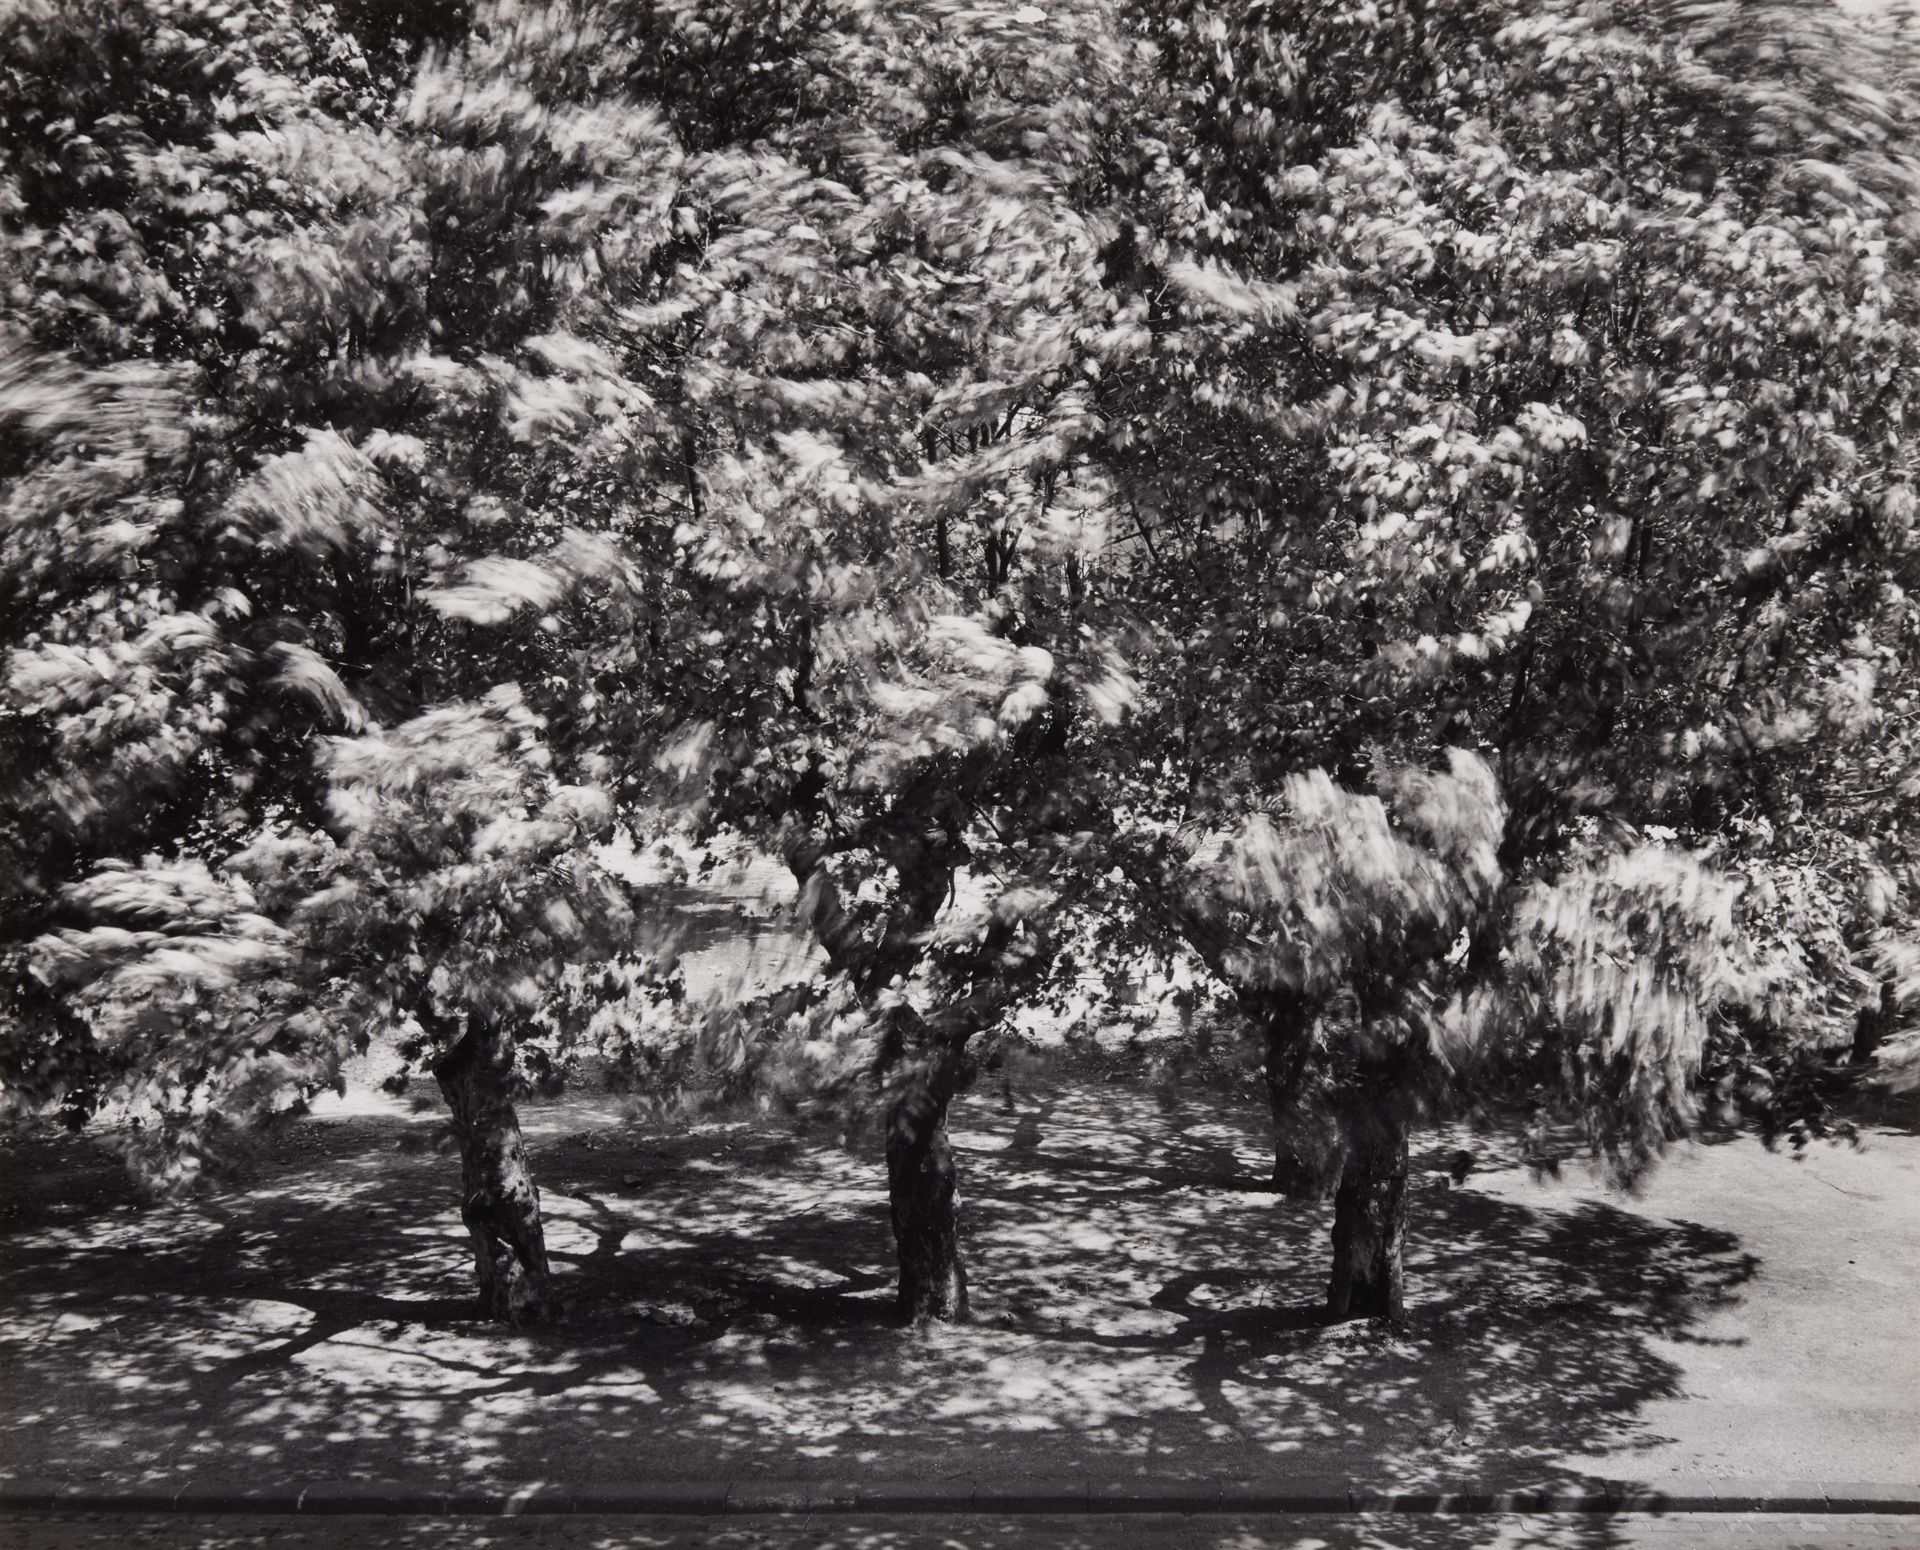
<point>893,1498</point>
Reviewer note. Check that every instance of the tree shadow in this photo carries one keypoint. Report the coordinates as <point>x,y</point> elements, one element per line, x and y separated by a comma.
<point>1143,1305</point>
<point>1883,1109</point>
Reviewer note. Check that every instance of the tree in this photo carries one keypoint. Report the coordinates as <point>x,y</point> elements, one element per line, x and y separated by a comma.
<point>1326,489</point>
<point>1460,425</point>
<point>1331,918</point>
<point>904,524</point>
<point>530,398</point>
<point>236,535</point>
<point>148,697</point>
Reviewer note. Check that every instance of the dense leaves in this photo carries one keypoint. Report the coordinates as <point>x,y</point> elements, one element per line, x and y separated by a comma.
<point>1524,384</point>
<point>1400,515</point>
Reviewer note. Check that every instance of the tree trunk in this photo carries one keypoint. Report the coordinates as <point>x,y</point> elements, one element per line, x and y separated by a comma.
<point>499,1202</point>
<point>921,1186</point>
<point>1307,1145</point>
<point>1872,1025</point>
<point>920,1170</point>
<point>1370,1223</point>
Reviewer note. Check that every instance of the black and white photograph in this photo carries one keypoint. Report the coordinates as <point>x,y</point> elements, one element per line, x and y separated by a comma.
<point>959,774</point>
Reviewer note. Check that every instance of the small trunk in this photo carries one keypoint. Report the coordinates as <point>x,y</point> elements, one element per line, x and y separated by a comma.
<point>926,1215</point>
<point>1370,1224</point>
<point>1306,1141</point>
<point>1873,1024</point>
<point>499,1203</point>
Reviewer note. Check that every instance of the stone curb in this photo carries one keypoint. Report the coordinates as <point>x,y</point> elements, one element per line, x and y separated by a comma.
<point>1125,1495</point>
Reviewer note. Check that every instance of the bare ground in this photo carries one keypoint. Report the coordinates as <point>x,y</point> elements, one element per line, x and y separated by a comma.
<point>1142,1305</point>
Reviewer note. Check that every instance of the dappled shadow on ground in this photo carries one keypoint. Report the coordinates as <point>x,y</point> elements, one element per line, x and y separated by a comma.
<point>970,1532</point>
<point>1142,1306</point>
<point>1881,1108</point>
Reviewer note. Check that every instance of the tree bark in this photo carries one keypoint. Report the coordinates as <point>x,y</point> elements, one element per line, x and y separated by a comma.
<point>499,1202</point>
<point>1872,1024</point>
<point>918,1060</point>
<point>922,1188</point>
<point>920,1166</point>
<point>1370,1223</point>
<point>1306,1142</point>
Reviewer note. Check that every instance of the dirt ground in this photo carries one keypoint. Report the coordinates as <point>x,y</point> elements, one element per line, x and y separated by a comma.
<point>1142,1305</point>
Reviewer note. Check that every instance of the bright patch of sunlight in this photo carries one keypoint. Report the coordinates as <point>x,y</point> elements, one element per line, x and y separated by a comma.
<point>231,1332</point>
<point>565,1237</point>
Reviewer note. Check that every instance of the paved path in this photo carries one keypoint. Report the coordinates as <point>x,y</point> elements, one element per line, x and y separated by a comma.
<point>1812,1365</point>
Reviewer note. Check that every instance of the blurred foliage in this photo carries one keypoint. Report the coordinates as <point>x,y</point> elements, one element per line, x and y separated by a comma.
<point>1399,515</point>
